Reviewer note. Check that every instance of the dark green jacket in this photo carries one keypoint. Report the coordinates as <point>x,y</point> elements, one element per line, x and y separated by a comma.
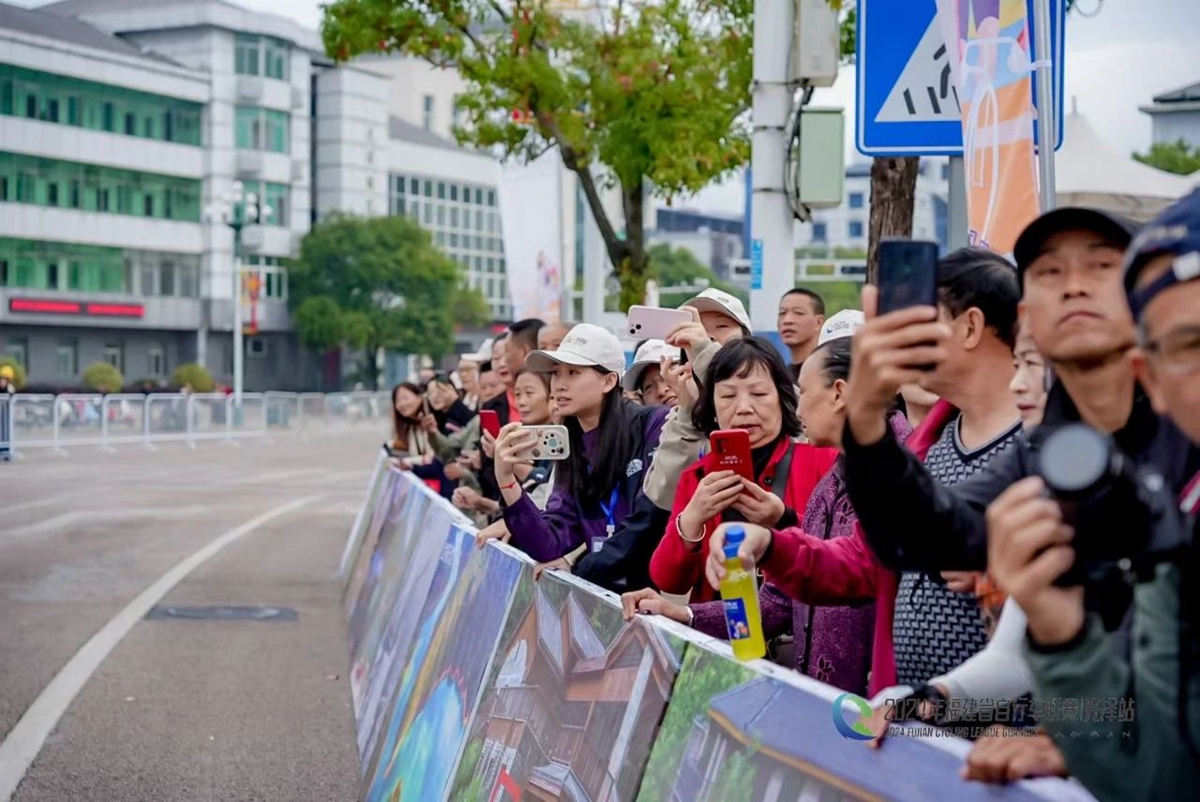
<point>1145,756</point>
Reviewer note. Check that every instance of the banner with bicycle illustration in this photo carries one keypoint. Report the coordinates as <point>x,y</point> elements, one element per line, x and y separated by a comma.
<point>994,70</point>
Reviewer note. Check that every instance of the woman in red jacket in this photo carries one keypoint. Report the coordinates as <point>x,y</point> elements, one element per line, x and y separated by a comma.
<point>747,387</point>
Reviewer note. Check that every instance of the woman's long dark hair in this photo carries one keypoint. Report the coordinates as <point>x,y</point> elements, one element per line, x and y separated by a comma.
<point>615,444</point>
<point>738,358</point>
<point>402,427</point>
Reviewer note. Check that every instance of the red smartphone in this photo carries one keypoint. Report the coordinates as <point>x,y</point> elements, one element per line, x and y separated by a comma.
<point>731,452</point>
<point>489,421</point>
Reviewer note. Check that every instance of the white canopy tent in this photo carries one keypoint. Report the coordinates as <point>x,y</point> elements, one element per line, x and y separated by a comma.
<point>1090,173</point>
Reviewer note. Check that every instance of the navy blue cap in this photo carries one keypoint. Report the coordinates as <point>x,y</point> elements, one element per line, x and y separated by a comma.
<point>1115,228</point>
<point>1176,231</point>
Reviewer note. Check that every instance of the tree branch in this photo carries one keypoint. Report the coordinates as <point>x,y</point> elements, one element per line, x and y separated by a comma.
<point>613,244</point>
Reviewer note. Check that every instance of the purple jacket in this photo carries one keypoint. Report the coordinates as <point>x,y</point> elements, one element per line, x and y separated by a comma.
<point>838,638</point>
<point>562,527</point>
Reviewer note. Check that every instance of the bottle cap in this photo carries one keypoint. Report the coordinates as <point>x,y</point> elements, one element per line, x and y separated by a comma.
<point>733,539</point>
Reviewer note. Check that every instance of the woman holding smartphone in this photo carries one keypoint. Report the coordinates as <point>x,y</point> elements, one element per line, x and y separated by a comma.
<point>831,644</point>
<point>611,444</point>
<point>411,425</point>
<point>531,392</point>
<point>747,387</point>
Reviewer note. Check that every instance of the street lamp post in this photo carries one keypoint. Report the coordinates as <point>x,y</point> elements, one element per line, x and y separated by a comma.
<point>238,209</point>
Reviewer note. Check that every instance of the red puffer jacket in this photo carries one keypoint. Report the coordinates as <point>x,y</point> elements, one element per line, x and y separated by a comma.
<point>674,568</point>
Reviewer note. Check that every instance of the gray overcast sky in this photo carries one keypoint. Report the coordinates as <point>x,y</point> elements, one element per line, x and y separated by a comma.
<point>1116,61</point>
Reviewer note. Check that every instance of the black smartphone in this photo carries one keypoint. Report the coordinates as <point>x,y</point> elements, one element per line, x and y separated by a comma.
<point>907,274</point>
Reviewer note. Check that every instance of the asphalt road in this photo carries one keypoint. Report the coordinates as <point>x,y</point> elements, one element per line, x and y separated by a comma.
<point>181,709</point>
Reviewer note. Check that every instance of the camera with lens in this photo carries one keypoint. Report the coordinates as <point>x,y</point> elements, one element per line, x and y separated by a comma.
<point>1125,516</point>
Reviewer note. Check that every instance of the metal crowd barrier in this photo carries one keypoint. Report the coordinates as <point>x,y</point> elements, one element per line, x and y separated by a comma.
<point>71,420</point>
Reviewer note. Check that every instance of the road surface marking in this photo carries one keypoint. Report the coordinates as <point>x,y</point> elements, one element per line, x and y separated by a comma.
<point>25,741</point>
<point>94,516</point>
<point>30,505</point>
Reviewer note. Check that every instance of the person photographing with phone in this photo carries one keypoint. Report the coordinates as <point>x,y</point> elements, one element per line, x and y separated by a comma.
<point>609,444</point>
<point>748,402</point>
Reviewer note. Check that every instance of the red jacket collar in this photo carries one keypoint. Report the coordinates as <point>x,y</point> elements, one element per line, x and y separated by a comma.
<point>925,435</point>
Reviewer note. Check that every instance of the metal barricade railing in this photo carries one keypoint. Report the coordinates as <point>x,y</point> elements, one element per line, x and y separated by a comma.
<point>312,410</point>
<point>78,419</point>
<point>92,419</point>
<point>32,422</point>
<point>253,417</point>
<point>166,417</point>
<point>211,416</point>
<point>283,410</point>
<point>123,419</point>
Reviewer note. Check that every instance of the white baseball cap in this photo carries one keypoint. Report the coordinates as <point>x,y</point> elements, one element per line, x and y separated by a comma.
<point>484,354</point>
<point>714,300</point>
<point>586,345</point>
<point>843,324</point>
<point>651,353</point>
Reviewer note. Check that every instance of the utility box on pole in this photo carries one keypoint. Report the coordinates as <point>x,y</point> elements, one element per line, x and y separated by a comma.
<point>817,44</point>
<point>820,169</point>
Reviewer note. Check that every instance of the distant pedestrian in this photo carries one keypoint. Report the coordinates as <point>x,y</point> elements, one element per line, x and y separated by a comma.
<point>8,389</point>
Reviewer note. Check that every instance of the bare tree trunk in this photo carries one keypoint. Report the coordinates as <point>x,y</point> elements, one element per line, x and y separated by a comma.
<point>632,269</point>
<point>893,192</point>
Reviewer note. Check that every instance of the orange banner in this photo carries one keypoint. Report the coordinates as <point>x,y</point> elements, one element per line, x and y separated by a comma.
<point>995,80</point>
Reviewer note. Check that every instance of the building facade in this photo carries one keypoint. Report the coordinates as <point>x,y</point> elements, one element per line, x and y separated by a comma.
<point>124,125</point>
<point>847,226</point>
<point>1175,116</point>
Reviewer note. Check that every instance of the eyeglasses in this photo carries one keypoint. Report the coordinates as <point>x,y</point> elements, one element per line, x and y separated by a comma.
<point>1177,351</point>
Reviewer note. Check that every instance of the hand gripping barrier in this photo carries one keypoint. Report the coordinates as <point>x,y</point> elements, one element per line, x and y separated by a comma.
<point>470,681</point>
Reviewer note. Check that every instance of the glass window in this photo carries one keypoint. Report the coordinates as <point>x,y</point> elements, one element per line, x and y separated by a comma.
<point>427,112</point>
<point>246,54</point>
<point>166,278</point>
<point>856,229</point>
<point>113,356</point>
<point>819,232</point>
<point>66,359</point>
<point>155,361</point>
<point>856,200</point>
<point>18,349</point>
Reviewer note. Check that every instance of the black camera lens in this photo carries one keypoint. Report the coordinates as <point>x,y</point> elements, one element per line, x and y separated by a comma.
<point>1074,459</point>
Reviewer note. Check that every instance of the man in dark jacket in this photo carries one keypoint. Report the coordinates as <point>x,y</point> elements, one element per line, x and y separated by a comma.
<point>1069,264</point>
<point>1151,752</point>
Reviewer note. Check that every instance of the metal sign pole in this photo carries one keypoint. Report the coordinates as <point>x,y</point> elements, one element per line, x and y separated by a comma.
<point>1047,103</point>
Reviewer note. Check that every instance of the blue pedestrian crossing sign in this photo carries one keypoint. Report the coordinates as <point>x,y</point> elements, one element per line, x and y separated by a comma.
<point>907,100</point>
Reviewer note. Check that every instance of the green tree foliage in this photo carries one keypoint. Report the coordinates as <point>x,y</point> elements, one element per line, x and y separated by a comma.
<point>379,282</point>
<point>195,376</point>
<point>1174,157</point>
<point>19,376</point>
<point>650,99</point>
<point>101,377</point>
<point>703,676</point>
<point>675,266</point>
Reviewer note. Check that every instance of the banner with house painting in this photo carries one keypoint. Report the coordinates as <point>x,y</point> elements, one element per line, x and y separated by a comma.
<point>531,213</point>
<point>572,704</point>
<point>473,682</point>
<point>995,85</point>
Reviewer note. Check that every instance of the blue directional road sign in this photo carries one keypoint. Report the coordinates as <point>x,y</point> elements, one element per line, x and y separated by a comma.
<point>907,102</point>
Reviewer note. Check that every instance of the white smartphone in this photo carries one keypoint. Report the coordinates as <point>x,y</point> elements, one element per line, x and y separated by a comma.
<point>553,443</point>
<point>652,323</point>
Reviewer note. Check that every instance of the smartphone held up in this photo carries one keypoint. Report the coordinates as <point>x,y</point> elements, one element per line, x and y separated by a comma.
<point>907,274</point>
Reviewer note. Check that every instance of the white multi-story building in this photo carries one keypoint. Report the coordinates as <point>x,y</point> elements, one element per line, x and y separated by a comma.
<point>847,226</point>
<point>122,121</point>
